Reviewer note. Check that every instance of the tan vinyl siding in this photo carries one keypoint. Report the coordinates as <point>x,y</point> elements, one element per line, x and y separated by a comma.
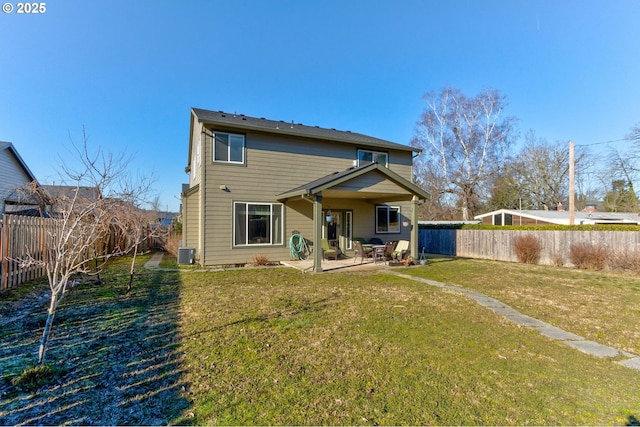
<point>375,182</point>
<point>12,176</point>
<point>273,166</point>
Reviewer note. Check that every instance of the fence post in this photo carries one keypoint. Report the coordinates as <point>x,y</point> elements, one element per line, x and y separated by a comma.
<point>5,252</point>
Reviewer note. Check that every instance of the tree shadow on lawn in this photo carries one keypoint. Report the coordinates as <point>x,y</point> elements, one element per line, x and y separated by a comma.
<point>117,356</point>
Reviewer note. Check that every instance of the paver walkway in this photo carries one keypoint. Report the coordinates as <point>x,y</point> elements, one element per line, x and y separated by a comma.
<point>580,343</point>
<point>154,262</point>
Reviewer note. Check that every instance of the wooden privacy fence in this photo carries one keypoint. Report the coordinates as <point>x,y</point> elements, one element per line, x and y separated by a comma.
<point>26,236</point>
<point>498,244</point>
<point>22,236</point>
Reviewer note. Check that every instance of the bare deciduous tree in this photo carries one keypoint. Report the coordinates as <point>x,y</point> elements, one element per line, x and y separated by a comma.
<point>465,140</point>
<point>83,211</point>
<point>634,135</point>
<point>538,176</point>
<point>620,173</point>
<point>543,172</point>
<point>134,226</point>
<point>623,170</point>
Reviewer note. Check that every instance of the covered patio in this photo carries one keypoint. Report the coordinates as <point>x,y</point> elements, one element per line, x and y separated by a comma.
<point>372,184</point>
<point>340,264</point>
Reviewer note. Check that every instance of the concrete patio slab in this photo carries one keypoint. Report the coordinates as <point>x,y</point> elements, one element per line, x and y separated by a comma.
<point>342,264</point>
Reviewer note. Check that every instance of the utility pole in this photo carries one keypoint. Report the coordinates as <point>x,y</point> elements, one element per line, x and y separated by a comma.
<point>572,172</point>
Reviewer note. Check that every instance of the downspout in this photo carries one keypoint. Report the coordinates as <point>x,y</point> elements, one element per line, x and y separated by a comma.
<point>202,191</point>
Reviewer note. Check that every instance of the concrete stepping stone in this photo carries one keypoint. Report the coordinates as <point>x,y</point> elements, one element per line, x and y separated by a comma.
<point>633,363</point>
<point>594,348</point>
<point>558,334</point>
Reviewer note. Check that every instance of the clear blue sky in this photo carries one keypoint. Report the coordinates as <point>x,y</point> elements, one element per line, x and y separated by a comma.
<point>129,71</point>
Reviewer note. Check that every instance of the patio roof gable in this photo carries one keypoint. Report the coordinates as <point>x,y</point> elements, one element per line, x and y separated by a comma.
<point>339,181</point>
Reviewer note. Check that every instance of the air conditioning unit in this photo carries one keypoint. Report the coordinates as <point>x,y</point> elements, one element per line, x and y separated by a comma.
<point>186,255</point>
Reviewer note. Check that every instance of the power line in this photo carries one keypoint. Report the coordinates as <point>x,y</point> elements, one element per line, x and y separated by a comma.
<point>601,142</point>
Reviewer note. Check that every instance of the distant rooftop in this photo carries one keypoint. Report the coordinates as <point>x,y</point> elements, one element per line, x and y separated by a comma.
<point>562,217</point>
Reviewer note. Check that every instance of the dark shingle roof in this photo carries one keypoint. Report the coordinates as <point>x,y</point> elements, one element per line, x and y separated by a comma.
<point>240,121</point>
<point>90,194</point>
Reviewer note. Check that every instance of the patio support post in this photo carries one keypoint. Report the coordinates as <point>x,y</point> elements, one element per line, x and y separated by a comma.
<point>317,233</point>
<point>414,228</point>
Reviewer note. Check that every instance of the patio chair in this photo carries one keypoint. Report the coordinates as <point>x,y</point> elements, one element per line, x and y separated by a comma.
<point>327,251</point>
<point>361,251</point>
<point>401,250</point>
<point>389,247</point>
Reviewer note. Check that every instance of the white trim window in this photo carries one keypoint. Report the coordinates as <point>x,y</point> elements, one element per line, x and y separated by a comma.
<point>367,156</point>
<point>387,219</point>
<point>257,224</point>
<point>228,148</point>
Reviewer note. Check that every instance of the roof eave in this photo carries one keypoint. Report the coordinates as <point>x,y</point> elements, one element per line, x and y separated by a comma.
<point>278,131</point>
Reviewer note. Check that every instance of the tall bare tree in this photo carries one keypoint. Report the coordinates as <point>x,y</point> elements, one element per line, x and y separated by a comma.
<point>621,173</point>
<point>465,140</point>
<point>634,134</point>
<point>84,211</point>
<point>543,170</point>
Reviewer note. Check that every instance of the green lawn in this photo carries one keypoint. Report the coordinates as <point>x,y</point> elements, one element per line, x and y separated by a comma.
<point>280,347</point>
<point>275,347</point>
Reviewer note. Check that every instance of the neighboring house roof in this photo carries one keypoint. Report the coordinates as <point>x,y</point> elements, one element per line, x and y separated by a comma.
<point>240,121</point>
<point>336,178</point>
<point>562,217</point>
<point>9,146</point>
<point>90,194</point>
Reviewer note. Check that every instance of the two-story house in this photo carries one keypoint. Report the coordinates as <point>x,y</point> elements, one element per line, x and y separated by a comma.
<point>253,182</point>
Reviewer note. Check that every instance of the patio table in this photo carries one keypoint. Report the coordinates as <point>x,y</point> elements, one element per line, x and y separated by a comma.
<point>378,252</point>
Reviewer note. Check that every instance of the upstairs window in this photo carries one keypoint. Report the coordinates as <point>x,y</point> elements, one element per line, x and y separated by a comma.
<point>228,148</point>
<point>368,156</point>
